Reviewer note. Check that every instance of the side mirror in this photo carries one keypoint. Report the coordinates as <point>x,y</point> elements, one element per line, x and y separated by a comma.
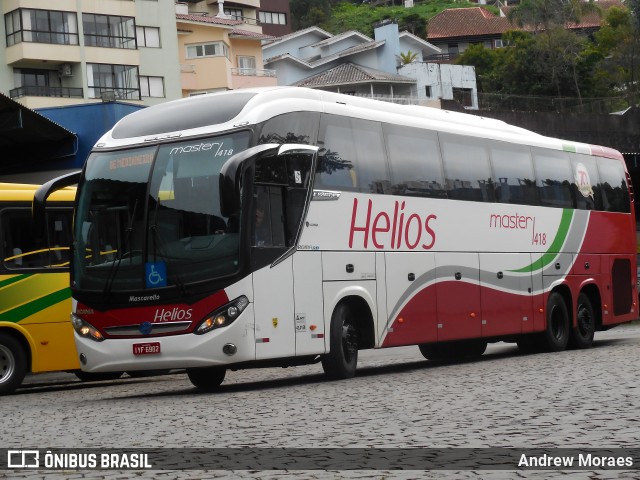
<point>233,169</point>
<point>231,174</point>
<point>38,206</point>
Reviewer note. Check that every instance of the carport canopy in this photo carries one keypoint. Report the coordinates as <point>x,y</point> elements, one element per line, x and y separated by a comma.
<point>30,141</point>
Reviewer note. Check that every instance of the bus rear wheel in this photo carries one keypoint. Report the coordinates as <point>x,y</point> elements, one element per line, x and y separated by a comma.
<point>582,334</point>
<point>206,378</point>
<point>13,364</point>
<point>556,336</point>
<point>342,359</point>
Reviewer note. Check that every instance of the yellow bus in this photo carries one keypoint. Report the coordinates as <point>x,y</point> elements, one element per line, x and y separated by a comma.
<point>36,334</point>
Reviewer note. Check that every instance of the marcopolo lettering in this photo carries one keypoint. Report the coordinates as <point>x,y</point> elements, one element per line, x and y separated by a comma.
<point>401,229</point>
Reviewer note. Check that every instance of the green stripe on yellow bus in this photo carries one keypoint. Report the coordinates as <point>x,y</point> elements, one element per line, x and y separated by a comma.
<point>18,314</point>
<point>17,278</point>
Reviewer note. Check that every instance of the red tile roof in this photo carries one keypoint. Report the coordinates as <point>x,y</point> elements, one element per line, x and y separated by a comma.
<point>476,21</point>
<point>350,73</point>
<point>466,22</point>
<point>247,34</point>
<point>208,19</point>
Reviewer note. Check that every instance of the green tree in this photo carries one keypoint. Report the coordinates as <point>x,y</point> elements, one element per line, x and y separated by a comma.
<point>545,14</point>
<point>307,13</point>
<point>484,60</point>
<point>408,57</point>
<point>618,44</point>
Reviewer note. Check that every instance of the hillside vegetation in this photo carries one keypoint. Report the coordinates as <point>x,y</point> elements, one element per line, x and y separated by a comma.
<point>337,17</point>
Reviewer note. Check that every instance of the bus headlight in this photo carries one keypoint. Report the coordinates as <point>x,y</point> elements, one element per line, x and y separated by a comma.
<point>85,329</point>
<point>223,316</point>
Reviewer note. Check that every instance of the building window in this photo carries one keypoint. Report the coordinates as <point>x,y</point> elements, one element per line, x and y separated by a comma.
<point>427,91</point>
<point>214,49</point>
<point>246,65</point>
<point>148,37</point>
<point>152,86</point>
<point>272,17</point>
<point>464,96</point>
<point>122,80</point>
<point>234,12</point>
<point>41,26</point>
<point>109,31</point>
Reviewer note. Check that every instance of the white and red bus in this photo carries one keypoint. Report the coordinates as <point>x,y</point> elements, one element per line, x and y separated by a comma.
<point>286,226</point>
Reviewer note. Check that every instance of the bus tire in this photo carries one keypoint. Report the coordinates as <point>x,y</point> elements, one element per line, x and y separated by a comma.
<point>432,351</point>
<point>556,336</point>
<point>206,378</point>
<point>13,364</point>
<point>97,376</point>
<point>342,360</point>
<point>582,334</point>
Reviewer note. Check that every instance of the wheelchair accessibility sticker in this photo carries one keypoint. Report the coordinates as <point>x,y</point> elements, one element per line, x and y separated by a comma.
<point>156,274</point>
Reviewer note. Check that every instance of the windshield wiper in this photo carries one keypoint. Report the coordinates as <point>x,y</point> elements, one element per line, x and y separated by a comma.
<point>116,263</point>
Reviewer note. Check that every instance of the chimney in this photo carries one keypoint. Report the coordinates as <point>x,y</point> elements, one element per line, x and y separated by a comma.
<point>387,30</point>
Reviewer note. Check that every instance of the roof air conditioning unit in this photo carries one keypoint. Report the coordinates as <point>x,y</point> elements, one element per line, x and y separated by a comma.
<point>65,70</point>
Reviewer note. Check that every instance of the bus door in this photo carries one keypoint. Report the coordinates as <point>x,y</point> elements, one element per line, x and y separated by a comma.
<point>458,296</point>
<point>281,191</point>
<point>506,295</point>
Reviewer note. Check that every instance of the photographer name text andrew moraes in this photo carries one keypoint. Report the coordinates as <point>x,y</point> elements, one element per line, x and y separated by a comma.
<point>582,460</point>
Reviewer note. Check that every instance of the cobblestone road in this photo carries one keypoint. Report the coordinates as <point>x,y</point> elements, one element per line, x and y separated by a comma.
<point>577,399</point>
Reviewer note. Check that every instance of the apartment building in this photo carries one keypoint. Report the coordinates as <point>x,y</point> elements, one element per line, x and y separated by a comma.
<point>65,52</point>
<point>220,47</point>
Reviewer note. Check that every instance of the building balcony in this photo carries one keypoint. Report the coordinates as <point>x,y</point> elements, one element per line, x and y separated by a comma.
<point>240,3</point>
<point>253,72</point>
<point>253,77</point>
<point>36,91</point>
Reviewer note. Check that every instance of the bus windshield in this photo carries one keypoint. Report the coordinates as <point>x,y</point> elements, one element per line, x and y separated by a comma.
<point>150,217</point>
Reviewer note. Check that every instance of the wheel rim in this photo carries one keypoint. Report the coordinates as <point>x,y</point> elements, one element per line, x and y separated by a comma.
<point>585,320</point>
<point>557,323</point>
<point>7,364</point>
<point>349,341</point>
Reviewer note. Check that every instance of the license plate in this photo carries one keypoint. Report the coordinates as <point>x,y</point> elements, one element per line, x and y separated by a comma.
<point>146,348</point>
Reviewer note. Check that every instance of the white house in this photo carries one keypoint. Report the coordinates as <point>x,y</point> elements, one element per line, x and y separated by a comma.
<point>353,63</point>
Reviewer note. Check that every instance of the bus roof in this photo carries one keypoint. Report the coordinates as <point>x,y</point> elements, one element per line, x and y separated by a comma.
<point>222,111</point>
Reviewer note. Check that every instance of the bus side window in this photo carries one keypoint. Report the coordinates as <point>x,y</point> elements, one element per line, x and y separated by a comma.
<point>553,177</point>
<point>466,168</point>
<point>59,224</point>
<point>269,226</point>
<point>296,127</point>
<point>20,250</point>
<point>513,174</point>
<point>586,182</point>
<point>414,158</point>
<point>615,194</point>
<point>353,157</point>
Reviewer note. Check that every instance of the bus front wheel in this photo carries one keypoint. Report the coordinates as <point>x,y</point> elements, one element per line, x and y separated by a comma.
<point>206,378</point>
<point>556,336</point>
<point>13,364</point>
<point>342,359</point>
